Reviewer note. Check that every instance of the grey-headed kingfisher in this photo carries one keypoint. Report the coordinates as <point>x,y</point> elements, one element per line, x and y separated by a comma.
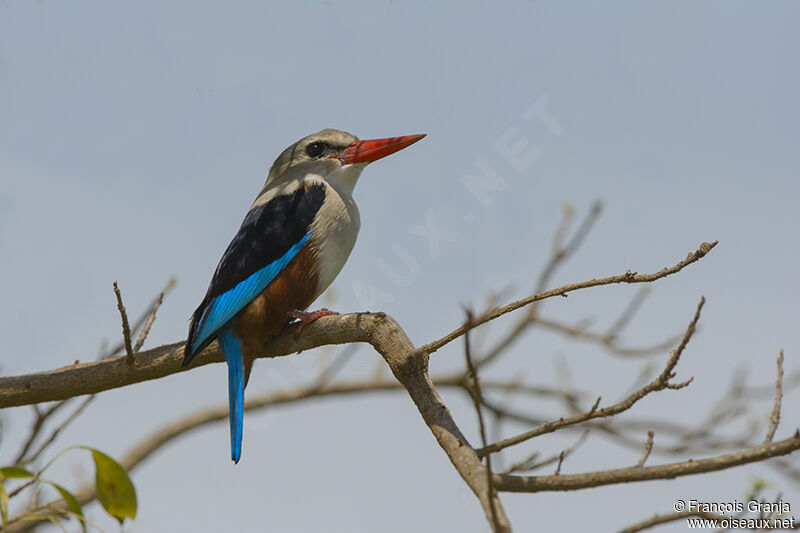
<point>293,242</point>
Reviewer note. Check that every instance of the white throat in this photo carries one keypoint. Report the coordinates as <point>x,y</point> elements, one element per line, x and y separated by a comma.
<point>344,178</point>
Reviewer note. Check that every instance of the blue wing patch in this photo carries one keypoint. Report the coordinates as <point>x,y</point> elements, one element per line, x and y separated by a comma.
<point>221,309</point>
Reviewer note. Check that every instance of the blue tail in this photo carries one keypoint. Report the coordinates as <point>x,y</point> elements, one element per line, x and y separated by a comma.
<point>232,348</point>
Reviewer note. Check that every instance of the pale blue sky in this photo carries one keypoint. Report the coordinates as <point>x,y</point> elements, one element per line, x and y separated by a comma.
<point>133,137</point>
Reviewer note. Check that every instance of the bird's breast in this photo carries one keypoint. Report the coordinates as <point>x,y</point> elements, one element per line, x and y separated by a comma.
<point>333,235</point>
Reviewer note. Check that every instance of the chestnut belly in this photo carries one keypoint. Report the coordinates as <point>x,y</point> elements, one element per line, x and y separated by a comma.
<point>294,288</point>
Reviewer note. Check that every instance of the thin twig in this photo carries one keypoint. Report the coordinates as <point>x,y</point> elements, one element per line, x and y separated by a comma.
<point>775,417</point>
<point>78,410</point>
<point>560,462</point>
<point>530,464</point>
<point>648,447</point>
<point>126,328</point>
<point>628,313</point>
<point>562,251</point>
<point>22,487</point>
<point>115,350</point>
<point>608,341</point>
<point>477,399</point>
<point>38,424</point>
<point>43,416</point>
<point>151,317</point>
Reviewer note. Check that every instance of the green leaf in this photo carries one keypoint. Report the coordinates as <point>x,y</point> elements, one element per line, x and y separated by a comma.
<point>72,503</point>
<point>3,504</point>
<point>115,490</point>
<point>12,472</point>
<point>9,472</point>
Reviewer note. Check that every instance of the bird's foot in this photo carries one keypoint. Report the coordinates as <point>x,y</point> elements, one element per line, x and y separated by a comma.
<point>306,318</point>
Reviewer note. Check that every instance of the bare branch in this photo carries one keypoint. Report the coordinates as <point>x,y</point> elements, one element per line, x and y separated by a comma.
<point>316,390</point>
<point>616,431</point>
<point>661,382</point>
<point>627,277</point>
<point>511,483</point>
<point>183,426</point>
<point>775,417</point>
<point>174,430</point>
<point>477,399</point>
<point>126,328</point>
<point>409,367</point>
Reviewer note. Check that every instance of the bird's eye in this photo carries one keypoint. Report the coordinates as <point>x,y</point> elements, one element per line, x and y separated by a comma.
<point>315,149</point>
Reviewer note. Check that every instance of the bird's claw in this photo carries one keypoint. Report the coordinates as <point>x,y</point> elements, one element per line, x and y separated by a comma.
<point>306,318</point>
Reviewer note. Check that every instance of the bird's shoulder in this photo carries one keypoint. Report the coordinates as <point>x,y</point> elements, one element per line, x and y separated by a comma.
<point>272,226</point>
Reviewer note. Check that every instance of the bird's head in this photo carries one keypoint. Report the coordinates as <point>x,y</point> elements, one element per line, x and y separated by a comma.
<point>336,156</point>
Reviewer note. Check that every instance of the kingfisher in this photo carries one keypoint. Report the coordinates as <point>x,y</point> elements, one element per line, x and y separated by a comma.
<point>290,247</point>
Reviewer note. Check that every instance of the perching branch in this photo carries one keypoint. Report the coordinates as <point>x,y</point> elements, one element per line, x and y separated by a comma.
<point>89,378</point>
